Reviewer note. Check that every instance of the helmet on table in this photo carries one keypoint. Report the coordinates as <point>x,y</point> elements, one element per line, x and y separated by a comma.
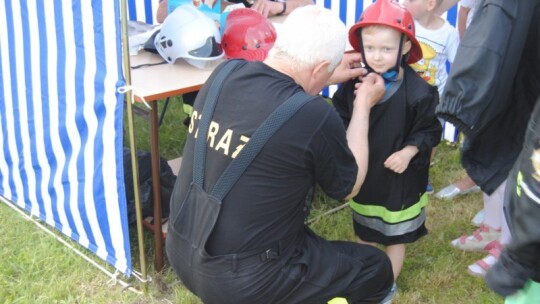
<point>248,35</point>
<point>392,14</point>
<point>189,34</point>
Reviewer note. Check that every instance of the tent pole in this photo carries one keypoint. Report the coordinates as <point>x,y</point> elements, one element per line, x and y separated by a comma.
<point>132,142</point>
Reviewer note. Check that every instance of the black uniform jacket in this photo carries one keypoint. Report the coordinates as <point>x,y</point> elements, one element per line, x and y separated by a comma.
<point>492,87</point>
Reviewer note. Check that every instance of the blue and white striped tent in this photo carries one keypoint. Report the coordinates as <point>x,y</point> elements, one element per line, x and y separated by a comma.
<point>61,120</point>
<point>61,115</point>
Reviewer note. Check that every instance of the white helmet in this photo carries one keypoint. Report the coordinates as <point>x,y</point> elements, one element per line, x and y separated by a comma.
<point>189,34</point>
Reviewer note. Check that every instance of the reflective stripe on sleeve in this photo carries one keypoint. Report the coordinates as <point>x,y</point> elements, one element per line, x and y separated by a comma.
<point>521,185</point>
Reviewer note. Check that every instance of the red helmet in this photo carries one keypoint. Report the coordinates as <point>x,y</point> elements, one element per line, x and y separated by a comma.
<point>248,35</point>
<point>389,13</point>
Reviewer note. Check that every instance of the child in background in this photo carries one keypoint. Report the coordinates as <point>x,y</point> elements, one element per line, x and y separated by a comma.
<point>389,208</point>
<point>439,41</point>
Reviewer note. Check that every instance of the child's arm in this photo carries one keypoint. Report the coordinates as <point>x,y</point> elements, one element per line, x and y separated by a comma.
<point>444,6</point>
<point>399,161</point>
<point>425,131</point>
<point>452,46</point>
<point>462,20</point>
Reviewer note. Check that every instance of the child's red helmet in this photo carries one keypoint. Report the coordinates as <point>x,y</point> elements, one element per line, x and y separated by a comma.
<point>248,35</point>
<point>389,13</point>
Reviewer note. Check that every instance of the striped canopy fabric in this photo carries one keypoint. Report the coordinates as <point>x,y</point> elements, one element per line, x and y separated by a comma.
<point>61,120</point>
<point>143,10</point>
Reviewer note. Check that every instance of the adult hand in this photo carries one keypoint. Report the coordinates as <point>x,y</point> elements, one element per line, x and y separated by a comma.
<point>267,8</point>
<point>369,91</point>
<point>350,67</point>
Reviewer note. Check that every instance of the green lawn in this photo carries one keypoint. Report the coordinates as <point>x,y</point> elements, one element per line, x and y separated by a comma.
<point>36,268</point>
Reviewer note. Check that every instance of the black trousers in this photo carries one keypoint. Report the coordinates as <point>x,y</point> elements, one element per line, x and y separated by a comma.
<point>313,270</point>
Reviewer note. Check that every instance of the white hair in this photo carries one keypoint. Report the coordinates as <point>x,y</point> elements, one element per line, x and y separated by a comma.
<point>309,36</point>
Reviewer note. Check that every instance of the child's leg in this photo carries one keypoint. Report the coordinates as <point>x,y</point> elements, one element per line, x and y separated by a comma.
<point>493,207</point>
<point>432,157</point>
<point>465,183</point>
<point>495,219</point>
<point>396,253</point>
<point>360,241</point>
<point>490,230</point>
<point>506,237</point>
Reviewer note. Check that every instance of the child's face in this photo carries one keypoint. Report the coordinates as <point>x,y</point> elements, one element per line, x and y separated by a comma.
<point>418,8</point>
<point>381,47</point>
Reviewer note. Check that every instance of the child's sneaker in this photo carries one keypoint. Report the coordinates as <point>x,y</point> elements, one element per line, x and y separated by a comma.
<point>479,240</point>
<point>480,267</point>
<point>429,187</point>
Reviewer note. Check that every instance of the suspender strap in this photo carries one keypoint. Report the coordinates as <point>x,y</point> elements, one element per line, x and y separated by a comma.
<point>273,123</point>
<point>199,161</point>
<point>259,138</point>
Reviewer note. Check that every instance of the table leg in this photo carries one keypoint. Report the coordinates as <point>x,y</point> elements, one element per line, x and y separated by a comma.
<point>156,186</point>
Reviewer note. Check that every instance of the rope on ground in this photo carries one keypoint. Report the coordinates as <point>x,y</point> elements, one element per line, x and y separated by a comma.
<point>333,210</point>
<point>47,230</point>
<point>138,276</point>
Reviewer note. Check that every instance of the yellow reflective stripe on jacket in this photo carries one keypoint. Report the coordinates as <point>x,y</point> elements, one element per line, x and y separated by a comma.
<point>519,179</point>
<point>338,301</point>
<point>388,216</point>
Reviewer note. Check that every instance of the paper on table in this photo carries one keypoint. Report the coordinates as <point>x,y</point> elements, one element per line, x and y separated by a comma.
<point>138,34</point>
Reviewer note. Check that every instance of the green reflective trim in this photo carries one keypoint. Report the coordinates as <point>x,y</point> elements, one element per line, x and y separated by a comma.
<point>188,109</point>
<point>338,301</point>
<point>388,216</point>
<point>530,293</point>
<point>519,180</point>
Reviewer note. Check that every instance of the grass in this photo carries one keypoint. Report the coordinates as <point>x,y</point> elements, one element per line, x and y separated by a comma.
<point>36,268</point>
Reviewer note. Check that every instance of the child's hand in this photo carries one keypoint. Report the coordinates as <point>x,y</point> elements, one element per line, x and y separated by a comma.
<point>399,161</point>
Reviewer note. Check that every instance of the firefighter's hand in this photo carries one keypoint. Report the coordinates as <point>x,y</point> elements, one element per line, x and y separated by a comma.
<point>369,91</point>
<point>349,68</point>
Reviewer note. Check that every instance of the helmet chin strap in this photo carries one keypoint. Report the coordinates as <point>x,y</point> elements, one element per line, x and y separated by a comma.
<point>391,75</point>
